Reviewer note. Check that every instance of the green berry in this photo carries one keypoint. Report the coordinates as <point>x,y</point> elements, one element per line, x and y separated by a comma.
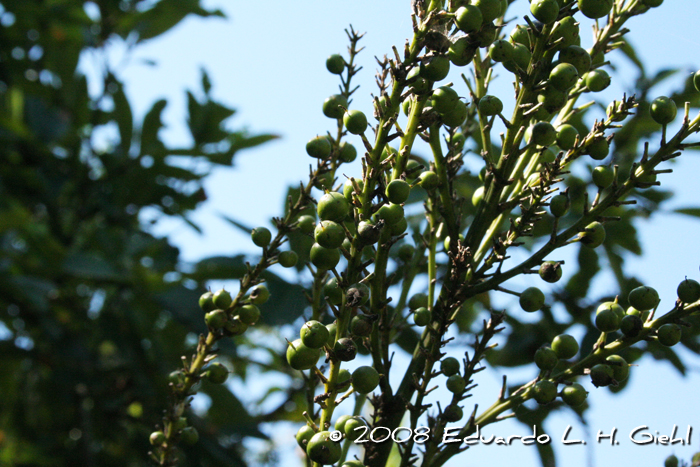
<point>620,367</point>
<point>552,99</point>
<point>406,252</point>
<point>216,373</point>
<point>606,320</point>
<point>335,64</point>
<point>301,357</point>
<point>531,299</point>
<point>333,207</point>
<point>428,180</point>
<point>643,298</point>
<point>369,232</point>
<point>358,294</point>
<point>343,381</point>
<point>453,413</point>
<point>313,334</point>
<point>559,205</point>
<point>360,326</point>
<point>469,18</point>
<point>520,35</point>
<point>222,299</point>
<point>422,316</point>
<point>319,147</point>
<point>689,291</point>
<point>545,391</point>
<point>365,379</point>
<point>249,314</point>
<point>259,294</point>
<point>456,384</point>
<point>576,56</point>
<point>179,424</point>
<point>671,461</point>
<point>332,331</point>
<point>261,236</point>
<point>456,116</point>
<point>563,76</point>
<point>595,9</point>
<point>435,68</point>
<point>601,375</point>
<point>669,334</point>
<point>390,213</point>
<point>603,176</point>
<point>566,33</point>
<point>288,259</point>
<point>306,223</point>
<point>461,52</point>
<point>663,110</point>
<point>631,325</point>
<point>545,11</point>
<point>206,302</point>
<point>612,306</point>
<point>594,235</point>
<point>521,58</point>
<point>490,105</point>
<point>565,346</point>
<point>574,395</point>
<point>322,449</point>
<point>347,152</point>
<point>157,438</point>
<point>550,271</point>
<point>490,9</point>
<point>543,134</point>
<point>332,292</point>
<point>353,429</point>
<point>397,191</point>
<point>597,80</point>
<point>413,168</point>
<point>334,106</point>
<point>329,234</point>
<point>418,300</point>
<point>304,435</point>
<point>235,327</point>
<point>345,349</point>
<point>501,51</point>
<point>215,319</point>
<point>355,121</point>
<point>546,358</point>
<point>444,99</point>
<point>696,81</point>
<point>598,149</point>
<point>450,366</point>
<point>189,435</point>
<point>324,258</point>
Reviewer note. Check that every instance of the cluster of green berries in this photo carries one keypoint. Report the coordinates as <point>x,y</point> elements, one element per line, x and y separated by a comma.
<point>319,446</point>
<point>221,316</point>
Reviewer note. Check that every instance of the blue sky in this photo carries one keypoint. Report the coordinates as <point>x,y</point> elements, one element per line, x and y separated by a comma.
<point>269,63</point>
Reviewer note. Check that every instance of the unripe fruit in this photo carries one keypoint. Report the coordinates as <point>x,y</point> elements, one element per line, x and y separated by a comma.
<point>216,373</point>
<point>689,291</point>
<point>340,423</point>
<point>358,294</point>
<point>261,237</point>
<point>696,81</point>
<point>566,33</point>
<point>189,435</point>
<point>663,110</point>
<point>565,346</point>
<point>531,299</point>
<point>444,99</point>
<point>319,147</point>
<point>332,331</point>
<point>563,76</point>
<point>478,196</point>
<point>179,424</point>
<point>606,320</point>
<point>594,235</point>
<point>332,292</point>
<point>456,116</point>
<point>343,381</point>
<point>369,232</point>
<point>306,223</point>
<point>545,391</point>
<point>574,395</point>
<point>453,413</point>
<point>669,334</point>
<point>598,149</point>
<point>334,106</point>
<point>552,100</point>
<point>501,51</point>
<point>301,357</point>
<point>643,298</point>
<point>365,379</point>
<point>345,349</point>
<point>469,18</point>
<point>259,294</point>
<point>360,327</point>
<point>347,152</point>
<point>397,191</point>
<point>490,9</point>
<point>450,366</point>
<point>550,271</point>
<point>576,56</point>
<point>206,302</point>
<point>390,213</point>
<point>157,438</point>
<point>671,461</point>
<point>546,359</point>
<point>520,35</point>
<point>355,121</point>
<point>620,367</point>
<point>461,52</point>
<point>222,299</point>
<point>421,317</point>
<point>456,384</point>
<point>304,435</point>
<point>353,429</point>
<point>321,449</point>
<point>324,258</point>
<point>288,259</point>
<point>603,176</point>
<point>520,60</point>
<point>324,181</point>
<point>313,334</point>
<point>543,134</point>
<point>428,180</point>
<point>545,11</point>
<point>329,234</point>
<point>559,205</point>
<point>235,327</point>
<point>435,68</point>
<point>406,252</point>
<point>335,64</point>
<point>399,227</point>
<point>490,105</point>
<point>631,325</point>
<point>249,314</point>
<point>418,300</point>
<point>601,375</point>
<point>333,207</point>
<point>215,319</point>
<point>612,306</point>
<point>595,8</point>
<point>597,80</point>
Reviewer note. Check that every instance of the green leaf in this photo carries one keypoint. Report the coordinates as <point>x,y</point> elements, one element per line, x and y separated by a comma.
<point>287,301</point>
<point>693,212</point>
<point>242,227</point>
<point>630,53</point>
<point>219,267</point>
<point>228,414</point>
<point>150,143</point>
<point>91,266</point>
<point>124,117</point>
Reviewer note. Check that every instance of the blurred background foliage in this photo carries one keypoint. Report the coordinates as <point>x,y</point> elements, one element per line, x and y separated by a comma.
<point>96,311</point>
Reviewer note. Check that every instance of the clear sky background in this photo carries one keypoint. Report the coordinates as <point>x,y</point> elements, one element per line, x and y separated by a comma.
<point>268,61</point>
